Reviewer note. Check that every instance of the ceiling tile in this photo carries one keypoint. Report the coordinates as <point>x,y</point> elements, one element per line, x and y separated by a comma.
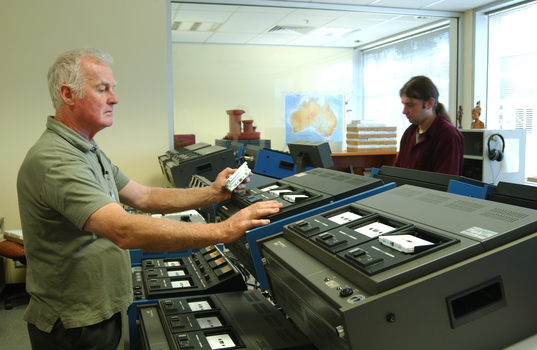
<point>250,24</point>
<point>230,38</point>
<point>190,37</point>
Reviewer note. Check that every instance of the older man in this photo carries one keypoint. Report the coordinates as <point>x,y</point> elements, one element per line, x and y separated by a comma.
<point>76,231</point>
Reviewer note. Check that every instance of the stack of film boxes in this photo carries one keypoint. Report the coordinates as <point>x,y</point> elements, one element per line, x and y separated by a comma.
<point>371,137</point>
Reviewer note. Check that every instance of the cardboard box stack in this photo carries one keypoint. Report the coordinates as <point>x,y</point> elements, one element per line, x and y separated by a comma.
<point>371,137</point>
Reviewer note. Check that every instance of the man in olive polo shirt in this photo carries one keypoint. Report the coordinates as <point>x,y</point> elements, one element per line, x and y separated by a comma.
<point>77,233</point>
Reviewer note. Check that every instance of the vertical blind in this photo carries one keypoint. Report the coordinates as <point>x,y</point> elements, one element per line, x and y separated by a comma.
<point>388,67</point>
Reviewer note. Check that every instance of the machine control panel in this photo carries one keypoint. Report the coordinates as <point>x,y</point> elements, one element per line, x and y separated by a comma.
<point>207,270</point>
<point>294,199</point>
<point>366,239</point>
<point>218,321</point>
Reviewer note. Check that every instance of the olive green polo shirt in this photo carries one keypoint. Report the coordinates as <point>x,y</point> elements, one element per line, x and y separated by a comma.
<point>72,274</point>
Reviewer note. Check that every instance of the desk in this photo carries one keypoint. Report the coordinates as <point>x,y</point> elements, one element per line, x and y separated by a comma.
<point>363,160</point>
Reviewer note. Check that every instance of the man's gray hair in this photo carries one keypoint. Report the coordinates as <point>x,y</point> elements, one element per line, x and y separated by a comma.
<point>67,70</point>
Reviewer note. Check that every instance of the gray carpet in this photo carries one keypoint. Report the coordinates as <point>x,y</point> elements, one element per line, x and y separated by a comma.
<point>13,333</point>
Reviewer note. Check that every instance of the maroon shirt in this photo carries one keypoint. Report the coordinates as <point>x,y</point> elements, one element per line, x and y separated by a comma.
<point>440,149</point>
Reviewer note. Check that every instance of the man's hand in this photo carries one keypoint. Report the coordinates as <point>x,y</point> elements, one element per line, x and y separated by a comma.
<point>221,193</point>
<point>248,218</point>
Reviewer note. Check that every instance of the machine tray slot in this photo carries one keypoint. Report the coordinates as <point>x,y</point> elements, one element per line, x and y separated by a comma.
<point>374,257</point>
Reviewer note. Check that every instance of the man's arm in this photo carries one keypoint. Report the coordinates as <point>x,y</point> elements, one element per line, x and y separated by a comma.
<point>130,231</point>
<point>449,154</point>
<point>170,200</point>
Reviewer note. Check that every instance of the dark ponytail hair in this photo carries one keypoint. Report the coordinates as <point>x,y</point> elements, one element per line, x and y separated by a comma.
<point>422,88</point>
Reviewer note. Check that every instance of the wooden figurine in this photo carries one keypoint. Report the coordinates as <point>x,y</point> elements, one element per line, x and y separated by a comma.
<point>460,114</point>
<point>476,112</point>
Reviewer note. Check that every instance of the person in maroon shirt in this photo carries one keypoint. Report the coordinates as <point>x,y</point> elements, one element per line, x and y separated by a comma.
<point>431,142</point>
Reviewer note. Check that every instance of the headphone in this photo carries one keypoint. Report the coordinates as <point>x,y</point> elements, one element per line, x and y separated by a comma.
<point>495,154</point>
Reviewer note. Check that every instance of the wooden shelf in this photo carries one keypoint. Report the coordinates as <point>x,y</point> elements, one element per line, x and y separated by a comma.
<point>342,160</point>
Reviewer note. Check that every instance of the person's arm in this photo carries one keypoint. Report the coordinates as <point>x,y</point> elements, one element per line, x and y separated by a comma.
<point>449,154</point>
<point>130,231</point>
<point>170,200</point>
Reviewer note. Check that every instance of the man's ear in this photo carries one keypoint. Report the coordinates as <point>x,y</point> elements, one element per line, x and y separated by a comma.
<point>67,95</point>
<point>430,103</point>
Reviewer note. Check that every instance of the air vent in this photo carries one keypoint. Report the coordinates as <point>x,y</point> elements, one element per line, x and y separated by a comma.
<point>406,192</point>
<point>465,206</point>
<point>290,30</point>
<point>433,198</point>
<point>504,215</point>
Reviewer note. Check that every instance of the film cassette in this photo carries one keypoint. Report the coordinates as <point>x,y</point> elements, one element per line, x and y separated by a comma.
<point>237,177</point>
<point>404,243</point>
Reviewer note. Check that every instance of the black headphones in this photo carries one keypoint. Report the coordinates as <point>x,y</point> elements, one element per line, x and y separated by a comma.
<point>495,154</point>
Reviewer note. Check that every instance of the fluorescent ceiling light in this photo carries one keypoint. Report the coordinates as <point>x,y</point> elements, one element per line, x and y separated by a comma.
<point>195,26</point>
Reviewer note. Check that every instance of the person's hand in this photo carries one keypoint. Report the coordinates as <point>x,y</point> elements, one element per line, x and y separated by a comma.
<point>248,218</point>
<point>218,184</point>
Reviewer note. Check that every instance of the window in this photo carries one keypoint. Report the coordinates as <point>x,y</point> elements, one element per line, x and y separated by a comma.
<point>388,67</point>
<point>512,73</point>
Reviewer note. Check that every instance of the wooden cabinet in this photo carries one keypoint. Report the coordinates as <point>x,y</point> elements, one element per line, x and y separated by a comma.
<point>362,160</point>
<point>492,156</point>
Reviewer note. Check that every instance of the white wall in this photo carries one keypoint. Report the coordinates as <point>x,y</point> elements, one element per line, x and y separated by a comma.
<point>210,79</point>
<point>34,32</point>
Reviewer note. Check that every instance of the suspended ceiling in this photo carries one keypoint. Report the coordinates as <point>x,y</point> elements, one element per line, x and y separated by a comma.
<point>327,23</point>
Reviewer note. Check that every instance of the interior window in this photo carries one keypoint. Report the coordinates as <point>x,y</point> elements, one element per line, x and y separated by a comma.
<point>388,67</point>
<point>512,73</point>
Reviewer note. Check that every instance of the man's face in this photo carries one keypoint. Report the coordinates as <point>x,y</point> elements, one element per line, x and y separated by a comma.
<point>415,110</point>
<point>95,110</point>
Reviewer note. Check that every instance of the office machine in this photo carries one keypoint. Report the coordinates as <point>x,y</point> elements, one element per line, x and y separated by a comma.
<point>263,143</point>
<point>410,267</point>
<point>209,212</point>
<point>169,155</point>
<point>420,178</point>
<point>206,161</point>
<point>185,216</point>
<point>310,154</point>
<point>238,149</point>
<point>236,320</point>
<point>275,164</point>
<point>249,155</point>
<point>301,194</point>
<point>515,194</point>
<point>207,270</point>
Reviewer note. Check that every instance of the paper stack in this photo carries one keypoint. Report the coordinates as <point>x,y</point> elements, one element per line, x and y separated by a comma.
<point>371,137</point>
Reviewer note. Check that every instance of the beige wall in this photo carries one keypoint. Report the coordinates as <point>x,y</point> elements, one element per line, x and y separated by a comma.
<point>34,32</point>
<point>210,79</point>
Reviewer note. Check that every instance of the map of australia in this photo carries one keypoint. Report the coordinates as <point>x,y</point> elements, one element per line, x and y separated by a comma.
<point>314,116</point>
<point>310,114</point>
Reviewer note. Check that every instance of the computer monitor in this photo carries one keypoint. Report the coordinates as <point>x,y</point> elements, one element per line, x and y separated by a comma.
<point>310,154</point>
<point>515,194</point>
<point>420,178</point>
